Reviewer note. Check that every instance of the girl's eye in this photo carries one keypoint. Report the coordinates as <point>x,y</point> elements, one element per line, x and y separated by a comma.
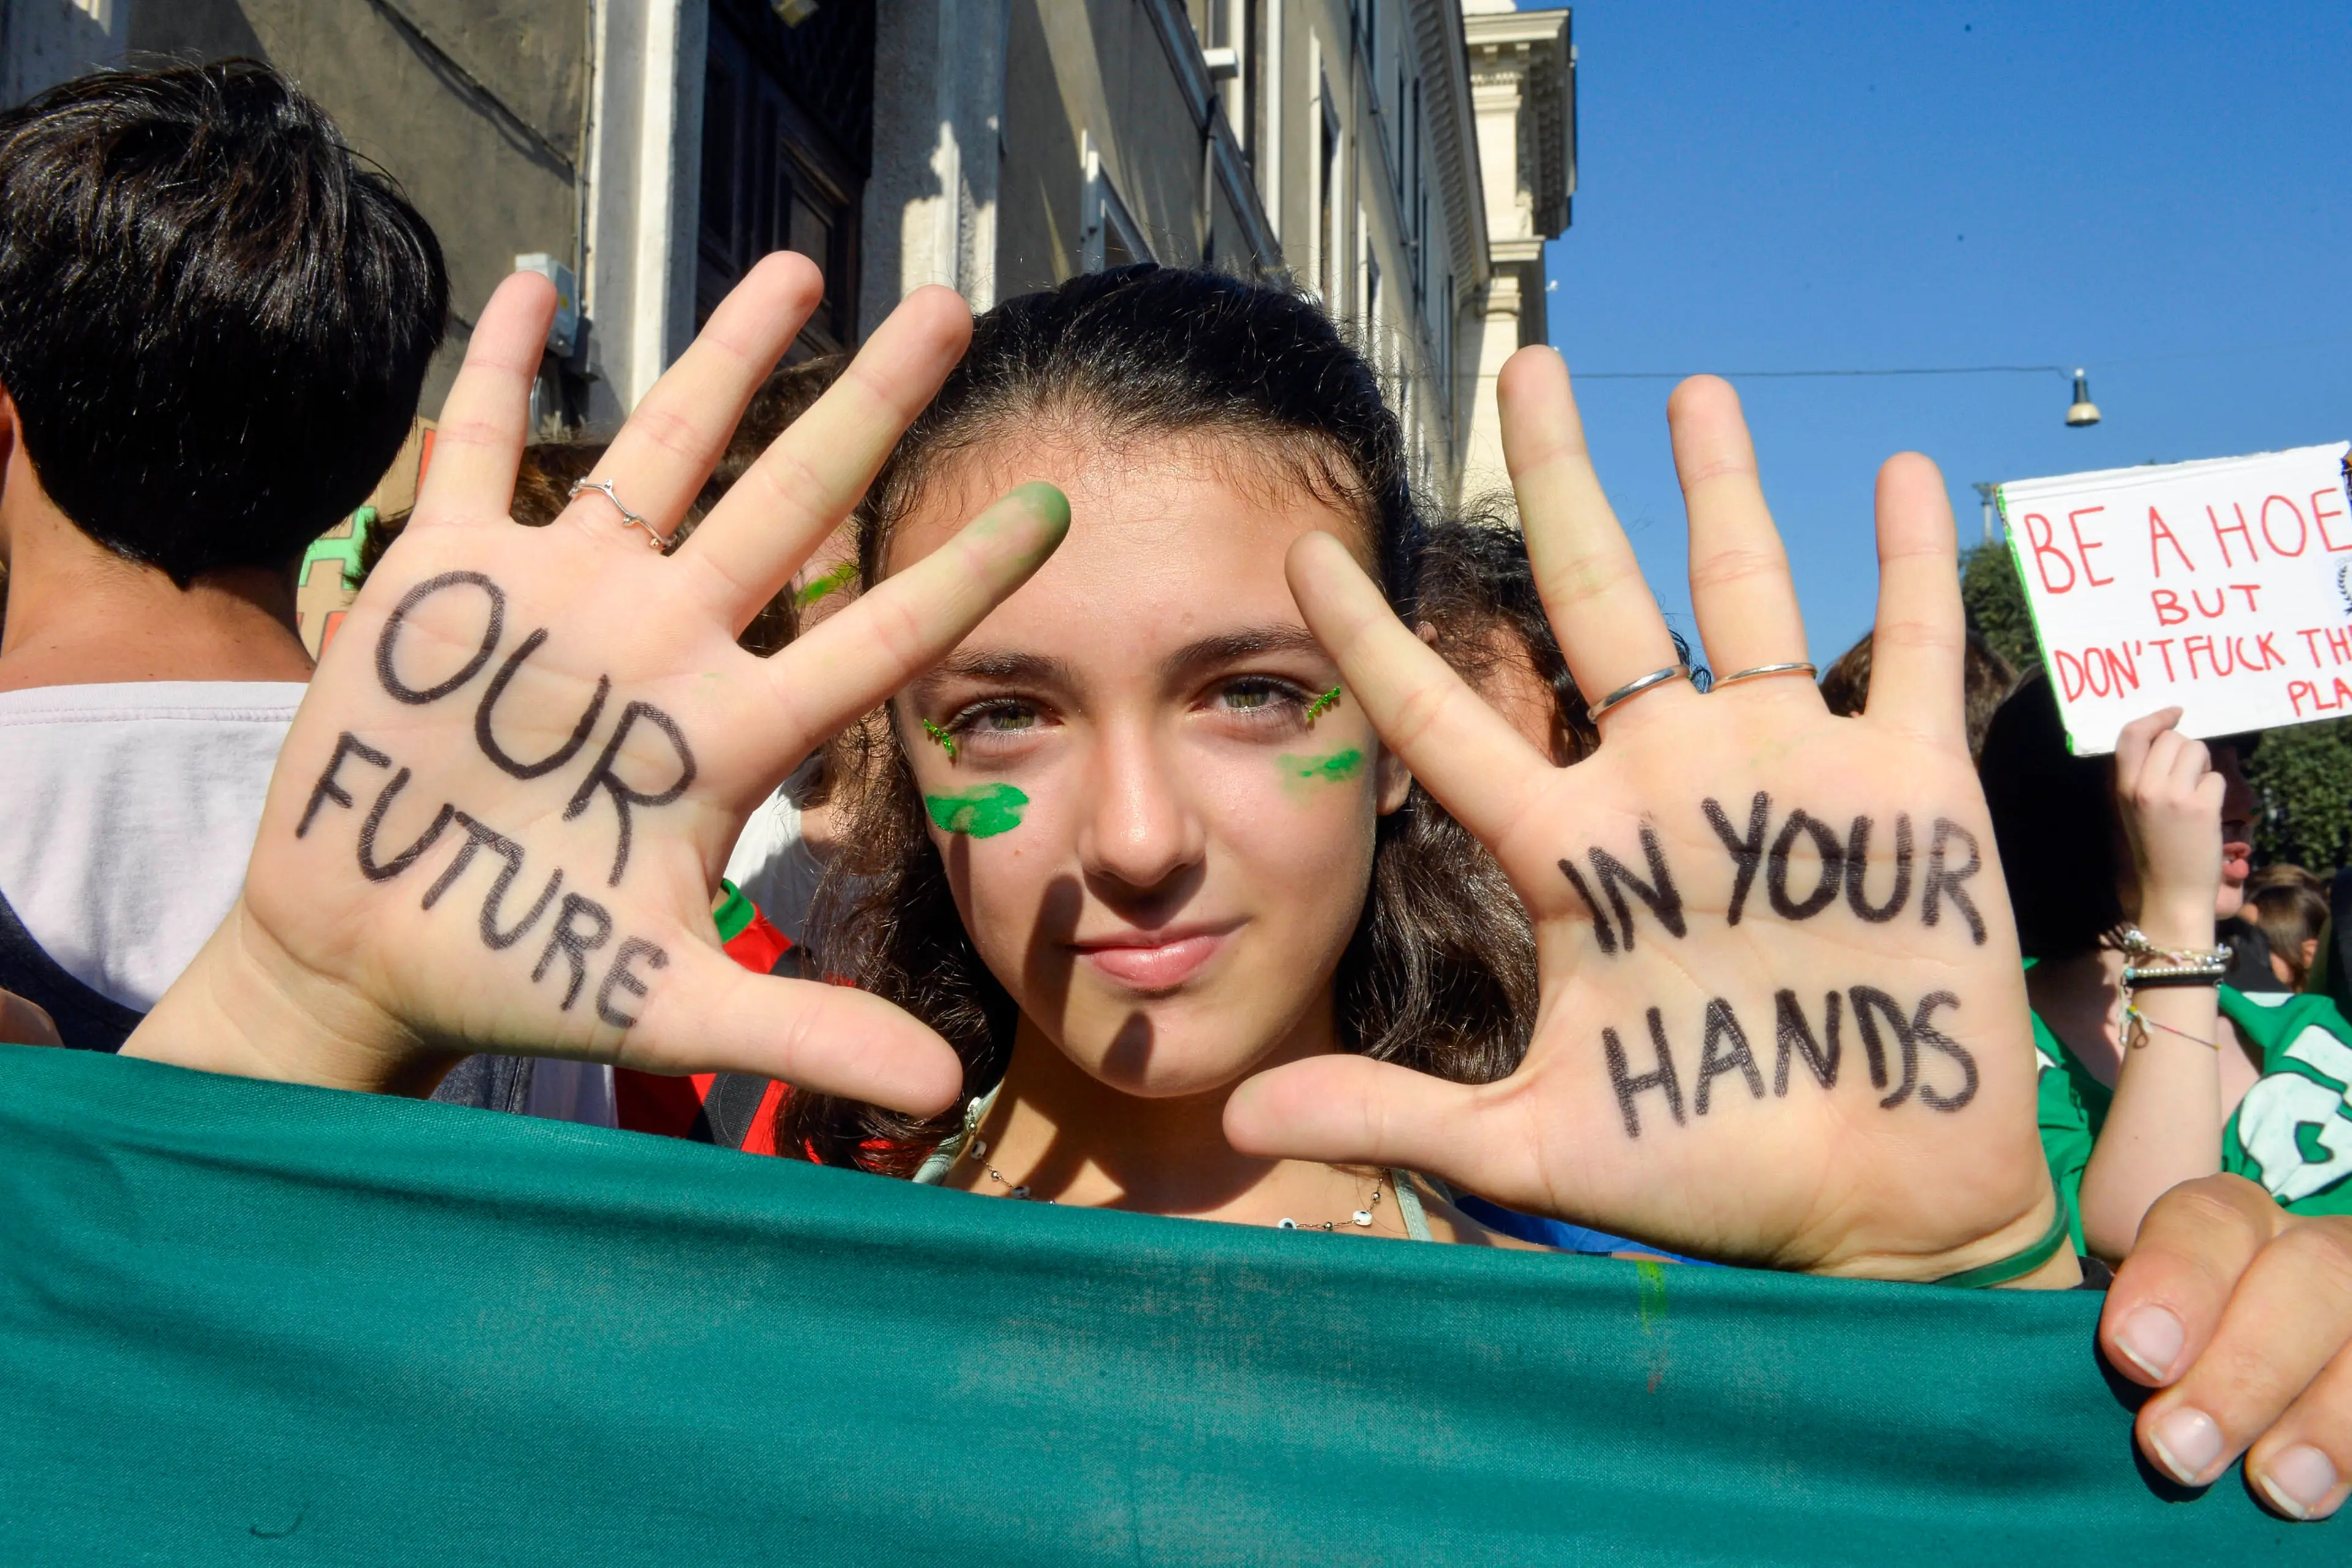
<point>994,717</point>
<point>1259,697</point>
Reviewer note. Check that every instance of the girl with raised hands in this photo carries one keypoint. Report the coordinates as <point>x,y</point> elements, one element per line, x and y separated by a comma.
<point>1179,957</point>
<point>1781,1018</point>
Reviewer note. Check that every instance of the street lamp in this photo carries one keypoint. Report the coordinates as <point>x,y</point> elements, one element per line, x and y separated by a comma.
<point>2085,412</point>
<point>1985,490</point>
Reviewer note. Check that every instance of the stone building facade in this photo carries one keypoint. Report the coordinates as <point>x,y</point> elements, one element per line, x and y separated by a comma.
<point>1403,158</point>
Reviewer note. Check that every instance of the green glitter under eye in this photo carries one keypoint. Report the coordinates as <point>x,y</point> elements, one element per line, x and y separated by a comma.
<point>1323,705</point>
<point>1300,772</point>
<point>946,742</point>
<point>979,813</point>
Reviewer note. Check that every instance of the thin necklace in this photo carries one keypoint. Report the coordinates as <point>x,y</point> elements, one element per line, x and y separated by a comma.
<point>978,1153</point>
<point>1363,1216</point>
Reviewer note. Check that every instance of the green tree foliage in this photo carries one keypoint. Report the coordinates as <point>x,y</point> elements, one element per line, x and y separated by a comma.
<point>1996,603</point>
<point>2303,774</point>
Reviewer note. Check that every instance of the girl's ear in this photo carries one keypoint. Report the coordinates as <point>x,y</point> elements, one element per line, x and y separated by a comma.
<point>1394,780</point>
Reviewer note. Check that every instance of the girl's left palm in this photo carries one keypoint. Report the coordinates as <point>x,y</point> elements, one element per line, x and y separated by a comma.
<point>1783,1019</point>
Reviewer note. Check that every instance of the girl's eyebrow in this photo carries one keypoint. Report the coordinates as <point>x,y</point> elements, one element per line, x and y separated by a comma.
<point>1027,668</point>
<point>1233,647</point>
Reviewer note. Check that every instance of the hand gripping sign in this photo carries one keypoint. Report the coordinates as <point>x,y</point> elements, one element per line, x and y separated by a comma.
<point>2223,587</point>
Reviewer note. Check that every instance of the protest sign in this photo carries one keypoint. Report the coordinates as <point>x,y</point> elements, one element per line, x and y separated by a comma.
<point>2223,587</point>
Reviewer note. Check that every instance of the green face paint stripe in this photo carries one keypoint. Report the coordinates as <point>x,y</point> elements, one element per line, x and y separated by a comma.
<point>1651,1284</point>
<point>1323,704</point>
<point>979,813</point>
<point>841,576</point>
<point>946,742</point>
<point>1337,768</point>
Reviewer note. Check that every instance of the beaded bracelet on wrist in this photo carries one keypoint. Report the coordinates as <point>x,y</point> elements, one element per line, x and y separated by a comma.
<point>2174,967</point>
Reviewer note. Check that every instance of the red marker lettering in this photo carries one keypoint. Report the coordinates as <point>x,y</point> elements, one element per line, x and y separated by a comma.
<point>2302,528</point>
<point>2319,516</point>
<point>2158,529</point>
<point>2070,673</point>
<point>2084,547</point>
<point>2039,542</point>
<point>2241,531</point>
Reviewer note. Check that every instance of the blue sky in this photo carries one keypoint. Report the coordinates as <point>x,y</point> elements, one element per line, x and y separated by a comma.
<point>2161,192</point>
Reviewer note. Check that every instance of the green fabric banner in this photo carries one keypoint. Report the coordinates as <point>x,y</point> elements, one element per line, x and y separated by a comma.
<point>255,1323</point>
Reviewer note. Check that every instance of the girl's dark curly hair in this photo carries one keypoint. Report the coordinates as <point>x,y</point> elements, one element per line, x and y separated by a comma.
<point>1440,974</point>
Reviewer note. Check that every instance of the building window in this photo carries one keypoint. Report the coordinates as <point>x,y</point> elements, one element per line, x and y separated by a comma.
<point>787,134</point>
<point>1111,236</point>
<point>1326,197</point>
<point>1420,252</point>
<point>1396,107</point>
<point>1253,45</point>
<point>1453,311</point>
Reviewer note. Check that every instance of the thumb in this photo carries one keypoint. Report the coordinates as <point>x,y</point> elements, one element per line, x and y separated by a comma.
<point>714,1015</point>
<point>1350,1111</point>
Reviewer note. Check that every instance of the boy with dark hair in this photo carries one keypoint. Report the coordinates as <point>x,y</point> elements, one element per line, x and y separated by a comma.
<point>213,327</point>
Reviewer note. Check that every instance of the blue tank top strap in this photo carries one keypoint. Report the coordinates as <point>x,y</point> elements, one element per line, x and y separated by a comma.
<point>934,1170</point>
<point>1416,1222</point>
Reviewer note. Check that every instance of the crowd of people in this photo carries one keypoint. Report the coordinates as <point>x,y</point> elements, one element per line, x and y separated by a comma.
<point>1057,756</point>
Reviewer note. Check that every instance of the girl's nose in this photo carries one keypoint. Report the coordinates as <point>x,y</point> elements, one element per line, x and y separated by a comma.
<point>1142,830</point>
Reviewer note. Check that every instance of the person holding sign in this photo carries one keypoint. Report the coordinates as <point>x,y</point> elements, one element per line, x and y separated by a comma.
<point>1782,1017</point>
<point>2110,864</point>
<point>2153,1071</point>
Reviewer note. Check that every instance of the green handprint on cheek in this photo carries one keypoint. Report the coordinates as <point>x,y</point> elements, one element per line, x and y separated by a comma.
<point>979,813</point>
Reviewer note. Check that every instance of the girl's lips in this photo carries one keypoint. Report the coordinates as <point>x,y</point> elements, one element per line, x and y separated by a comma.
<point>1154,966</point>
<point>2237,860</point>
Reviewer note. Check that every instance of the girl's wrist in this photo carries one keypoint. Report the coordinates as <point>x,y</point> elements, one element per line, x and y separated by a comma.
<point>232,1012</point>
<point>2183,921</point>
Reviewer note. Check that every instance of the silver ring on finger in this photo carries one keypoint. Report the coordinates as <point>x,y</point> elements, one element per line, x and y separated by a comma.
<point>1758,672</point>
<point>1635,686</point>
<point>628,518</point>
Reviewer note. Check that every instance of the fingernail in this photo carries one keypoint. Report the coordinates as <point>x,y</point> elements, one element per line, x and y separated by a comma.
<point>1046,502</point>
<point>2150,1338</point>
<point>2298,1479</point>
<point>2187,1442</point>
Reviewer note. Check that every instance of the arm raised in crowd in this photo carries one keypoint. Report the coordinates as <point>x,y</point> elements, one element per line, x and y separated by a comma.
<point>2165,1126</point>
<point>501,810</point>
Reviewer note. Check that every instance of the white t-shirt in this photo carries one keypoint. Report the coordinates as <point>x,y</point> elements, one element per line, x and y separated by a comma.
<point>127,814</point>
<point>774,866</point>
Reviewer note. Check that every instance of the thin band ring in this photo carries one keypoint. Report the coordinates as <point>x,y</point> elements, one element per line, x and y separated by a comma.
<point>1637,685</point>
<point>628,518</point>
<point>1790,667</point>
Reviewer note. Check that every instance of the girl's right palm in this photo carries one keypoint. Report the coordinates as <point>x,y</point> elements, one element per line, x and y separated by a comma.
<point>503,806</point>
